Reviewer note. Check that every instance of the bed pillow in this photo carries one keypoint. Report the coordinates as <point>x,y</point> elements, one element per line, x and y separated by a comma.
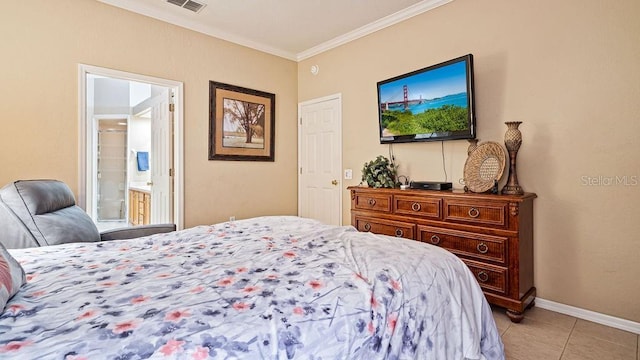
<point>11,277</point>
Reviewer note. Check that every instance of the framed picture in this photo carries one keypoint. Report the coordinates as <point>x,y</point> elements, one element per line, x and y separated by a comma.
<point>241,123</point>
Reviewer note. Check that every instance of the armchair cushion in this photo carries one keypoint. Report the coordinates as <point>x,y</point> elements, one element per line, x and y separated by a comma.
<point>43,212</point>
<point>14,234</point>
<point>138,231</point>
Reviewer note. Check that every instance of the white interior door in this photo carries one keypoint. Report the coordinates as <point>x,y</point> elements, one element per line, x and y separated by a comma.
<point>160,160</point>
<point>320,160</point>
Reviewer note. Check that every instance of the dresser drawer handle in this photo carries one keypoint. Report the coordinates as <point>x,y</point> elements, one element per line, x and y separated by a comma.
<point>435,239</point>
<point>367,227</point>
<point>474,213</point>
<point>415,207</point>
<point>399,232</point>
<point>482,248</point>
<point>483,276</point>
<point>372,202</point>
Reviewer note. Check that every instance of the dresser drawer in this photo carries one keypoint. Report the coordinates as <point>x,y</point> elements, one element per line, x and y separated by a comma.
<point>492,278</point>
<point>471,245</point>
<point>371,201</point>
<point>424,207</point>
<point>385,227</point>
<point>487,213</point>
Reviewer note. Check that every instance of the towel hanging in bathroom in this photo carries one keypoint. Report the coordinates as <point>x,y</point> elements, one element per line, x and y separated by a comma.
<point>143,160</point>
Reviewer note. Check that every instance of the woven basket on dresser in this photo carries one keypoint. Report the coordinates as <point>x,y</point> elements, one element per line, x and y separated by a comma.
<point>484,165</point>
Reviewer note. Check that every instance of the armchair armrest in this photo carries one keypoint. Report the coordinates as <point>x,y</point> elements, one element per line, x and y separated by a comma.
<point>137,231</point>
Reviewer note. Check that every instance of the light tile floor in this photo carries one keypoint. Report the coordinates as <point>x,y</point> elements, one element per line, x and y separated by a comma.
<point>547,335</point>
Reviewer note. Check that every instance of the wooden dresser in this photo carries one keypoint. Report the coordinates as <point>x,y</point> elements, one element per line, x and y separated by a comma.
<point>492,234</point>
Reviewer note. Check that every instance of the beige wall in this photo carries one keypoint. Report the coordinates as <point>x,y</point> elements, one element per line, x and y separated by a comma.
<point>570,71</point>
<point>44,41</point>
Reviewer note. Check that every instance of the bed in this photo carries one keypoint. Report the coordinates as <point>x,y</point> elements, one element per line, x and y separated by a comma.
<point>278,287</point>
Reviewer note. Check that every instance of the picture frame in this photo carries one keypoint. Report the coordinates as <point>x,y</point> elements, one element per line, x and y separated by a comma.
<point>241,123</point>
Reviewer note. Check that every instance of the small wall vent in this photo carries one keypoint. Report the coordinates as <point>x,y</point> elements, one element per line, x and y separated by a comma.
<point>188,4</point>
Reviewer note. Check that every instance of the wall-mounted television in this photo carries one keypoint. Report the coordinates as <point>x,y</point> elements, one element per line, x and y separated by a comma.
<point>431,104</point>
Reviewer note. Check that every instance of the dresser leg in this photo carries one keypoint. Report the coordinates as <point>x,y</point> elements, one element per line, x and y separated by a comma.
<point>515,316</point>
<point>531,304</point>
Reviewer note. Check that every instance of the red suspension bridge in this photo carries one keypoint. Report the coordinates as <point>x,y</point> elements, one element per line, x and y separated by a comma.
<point>405,102</point>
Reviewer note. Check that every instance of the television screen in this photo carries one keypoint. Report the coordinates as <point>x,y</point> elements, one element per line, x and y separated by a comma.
<point>430,104</point>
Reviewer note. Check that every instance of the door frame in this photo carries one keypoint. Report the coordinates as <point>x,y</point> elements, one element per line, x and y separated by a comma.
<point>85,132</point>
<point>338,97</point>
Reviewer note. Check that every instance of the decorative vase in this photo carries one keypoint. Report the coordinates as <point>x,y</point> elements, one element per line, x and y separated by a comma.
<point>512,140</point>
<point>473,144</point>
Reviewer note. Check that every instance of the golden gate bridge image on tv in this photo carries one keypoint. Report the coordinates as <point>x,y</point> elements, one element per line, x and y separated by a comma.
<point>405,102</point>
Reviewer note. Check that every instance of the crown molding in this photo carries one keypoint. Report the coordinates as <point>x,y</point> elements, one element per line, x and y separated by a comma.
<point>370,28</point>
<point>166,16</point>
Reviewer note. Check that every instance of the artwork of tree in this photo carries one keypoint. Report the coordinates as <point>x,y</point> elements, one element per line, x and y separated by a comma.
<point>249,116</point>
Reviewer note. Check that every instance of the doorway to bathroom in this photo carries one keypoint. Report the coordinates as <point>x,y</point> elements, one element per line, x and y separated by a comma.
<point>131,131</point>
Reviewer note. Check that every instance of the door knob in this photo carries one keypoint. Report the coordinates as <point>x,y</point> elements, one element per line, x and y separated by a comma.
<point>150,183</point>
<point>334,182</point>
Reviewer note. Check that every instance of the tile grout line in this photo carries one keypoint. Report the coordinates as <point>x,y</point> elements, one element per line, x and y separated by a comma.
<point>568,338</point>
<point>609,341</point>
<point>508,327</point>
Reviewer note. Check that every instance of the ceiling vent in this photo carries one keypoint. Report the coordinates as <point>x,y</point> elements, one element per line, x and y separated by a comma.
<point>188,4</point>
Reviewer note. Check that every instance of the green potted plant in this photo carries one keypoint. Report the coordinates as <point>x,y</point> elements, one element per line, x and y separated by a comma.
<point>379,173</point>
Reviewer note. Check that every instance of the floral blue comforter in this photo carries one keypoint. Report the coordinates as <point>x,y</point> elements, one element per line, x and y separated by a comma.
<point>262,288</point>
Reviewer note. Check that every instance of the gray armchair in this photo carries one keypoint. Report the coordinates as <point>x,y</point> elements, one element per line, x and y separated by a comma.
<point>44,212</point>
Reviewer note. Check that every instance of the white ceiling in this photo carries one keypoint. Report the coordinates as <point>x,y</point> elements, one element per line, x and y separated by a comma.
<point>293,29</point>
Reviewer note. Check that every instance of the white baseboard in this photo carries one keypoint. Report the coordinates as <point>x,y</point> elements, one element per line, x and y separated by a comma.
<point>589,315</point>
